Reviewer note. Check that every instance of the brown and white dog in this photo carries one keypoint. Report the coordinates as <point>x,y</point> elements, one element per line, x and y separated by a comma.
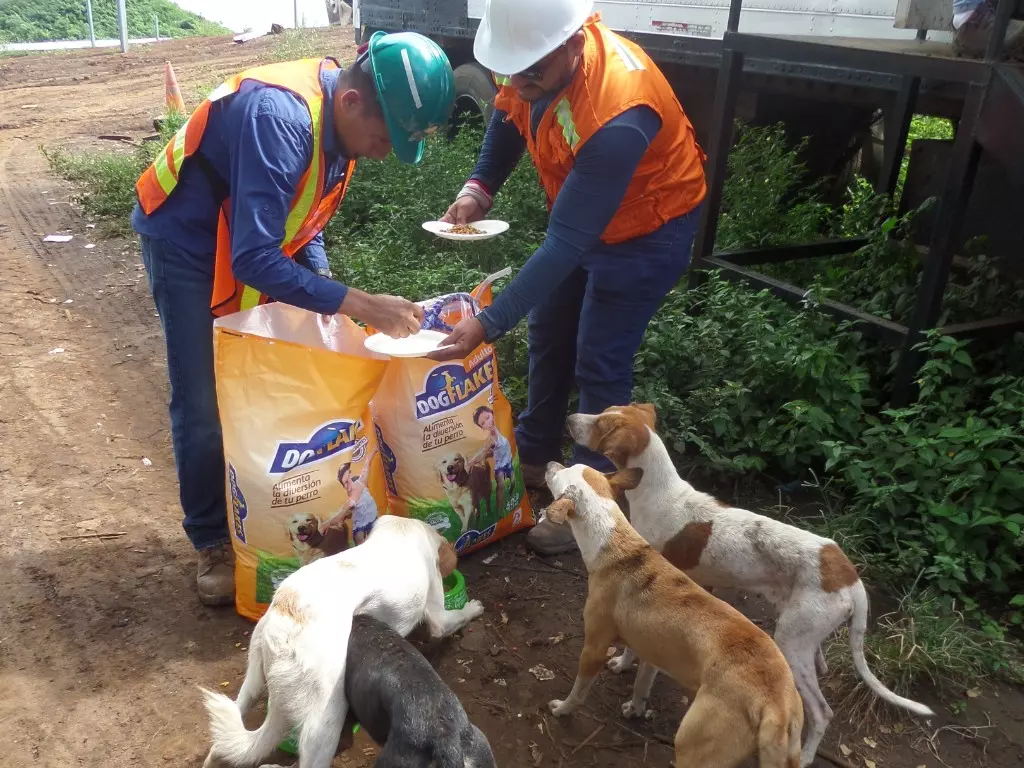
<point>810,581</point>
<point>744,701</point>
<point>309,542</point>
<point>468,487</point>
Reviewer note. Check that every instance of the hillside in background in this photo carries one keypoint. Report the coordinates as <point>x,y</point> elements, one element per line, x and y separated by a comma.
<point>29,21</point>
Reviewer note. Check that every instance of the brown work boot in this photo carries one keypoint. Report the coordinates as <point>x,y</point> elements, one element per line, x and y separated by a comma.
<point>971,39</point>
<point>215,577</point>
<point>533,477</point>
<point>548,538</point>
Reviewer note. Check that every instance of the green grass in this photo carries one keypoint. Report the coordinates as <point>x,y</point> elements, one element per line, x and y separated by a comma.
<point>304,44</point>
<point>271,570</point>
<point>106,182</point>
<point>28,21</point>
<point>924,641</point>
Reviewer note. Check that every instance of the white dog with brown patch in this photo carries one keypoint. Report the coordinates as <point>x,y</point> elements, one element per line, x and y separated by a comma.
<point>298,648</point>
<point>744,702</point>
<point>808,578</point>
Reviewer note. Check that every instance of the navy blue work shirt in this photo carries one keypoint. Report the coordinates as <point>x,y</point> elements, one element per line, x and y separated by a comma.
<point>586,203</point>
<point>259,141</point>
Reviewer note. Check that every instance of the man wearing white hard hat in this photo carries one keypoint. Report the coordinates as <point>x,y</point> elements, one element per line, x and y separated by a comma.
<point>624,180</point>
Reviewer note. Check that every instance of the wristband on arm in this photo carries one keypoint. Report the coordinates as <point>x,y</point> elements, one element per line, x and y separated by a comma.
<point>478,192</point>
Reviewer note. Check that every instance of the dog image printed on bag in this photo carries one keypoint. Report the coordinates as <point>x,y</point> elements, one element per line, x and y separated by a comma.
<point>446,437</point>
<point>303,466</point>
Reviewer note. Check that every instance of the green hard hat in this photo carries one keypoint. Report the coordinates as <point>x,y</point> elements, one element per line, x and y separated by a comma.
<point>415,88</point>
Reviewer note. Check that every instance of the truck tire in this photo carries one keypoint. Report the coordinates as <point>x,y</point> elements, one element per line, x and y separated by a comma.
<point>474,96</point>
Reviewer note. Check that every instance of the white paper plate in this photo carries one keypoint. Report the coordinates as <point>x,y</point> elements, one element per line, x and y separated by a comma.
<point>488,227</point>
<point>420,345</point>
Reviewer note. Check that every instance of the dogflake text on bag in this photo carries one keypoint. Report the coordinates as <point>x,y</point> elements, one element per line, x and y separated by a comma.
<point>451,384</point>
<point>329,439</point>
<point>445,432</point>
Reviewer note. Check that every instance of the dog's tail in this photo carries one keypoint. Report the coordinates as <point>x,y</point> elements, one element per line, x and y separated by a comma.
<point>858,628</point>
<point>255,681</point>
<point>231,742</point>
<point>778,737</point>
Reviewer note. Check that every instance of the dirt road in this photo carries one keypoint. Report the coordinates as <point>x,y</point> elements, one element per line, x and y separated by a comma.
<point>102,641</point>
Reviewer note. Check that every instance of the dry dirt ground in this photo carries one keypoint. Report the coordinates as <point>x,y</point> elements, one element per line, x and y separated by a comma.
<point>102,641</point>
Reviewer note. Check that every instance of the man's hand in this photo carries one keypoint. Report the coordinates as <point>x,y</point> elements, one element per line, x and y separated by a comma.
<point>465,210</point>
<point>460,343</point>
<point>393,315</point>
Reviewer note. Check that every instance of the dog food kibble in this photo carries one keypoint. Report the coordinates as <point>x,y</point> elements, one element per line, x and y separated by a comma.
<point>465,229</point>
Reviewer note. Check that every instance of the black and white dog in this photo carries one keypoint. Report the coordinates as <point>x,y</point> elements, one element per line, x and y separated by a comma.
<point>396,696</point>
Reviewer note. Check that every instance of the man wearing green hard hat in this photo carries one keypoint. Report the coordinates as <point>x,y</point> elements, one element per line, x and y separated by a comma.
<point>230,215</point>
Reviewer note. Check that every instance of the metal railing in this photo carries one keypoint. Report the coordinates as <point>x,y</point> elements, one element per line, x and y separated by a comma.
<point>911,68</point>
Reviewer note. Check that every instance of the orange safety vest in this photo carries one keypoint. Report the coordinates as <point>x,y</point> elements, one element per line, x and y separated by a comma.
<point>310,208</point>
<point>614,75</point>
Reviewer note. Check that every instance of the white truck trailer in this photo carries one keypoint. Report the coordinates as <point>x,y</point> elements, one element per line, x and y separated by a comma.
<point>840,110</point>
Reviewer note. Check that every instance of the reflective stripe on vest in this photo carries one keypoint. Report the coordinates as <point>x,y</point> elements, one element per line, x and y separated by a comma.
<point>614,75</point>
<point>167,172</point>
<point>250,298</point>
<point>310,209</point>
<point>309,192</point>
<point>563,113</point>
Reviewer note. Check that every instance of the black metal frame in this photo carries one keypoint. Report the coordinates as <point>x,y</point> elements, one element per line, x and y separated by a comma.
<point>977,75</point>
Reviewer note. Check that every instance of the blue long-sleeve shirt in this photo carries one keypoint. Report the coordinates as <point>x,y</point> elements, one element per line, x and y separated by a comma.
<point>584,207</point>
<point>259,143</point>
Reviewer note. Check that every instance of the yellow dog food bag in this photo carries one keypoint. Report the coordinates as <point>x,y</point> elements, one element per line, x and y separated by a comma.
<point>303,470</point>
<point>445,432</point>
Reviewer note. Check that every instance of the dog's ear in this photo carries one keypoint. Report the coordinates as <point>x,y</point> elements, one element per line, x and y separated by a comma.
<point>625,479</point>
<point>617,444</point>
<point>649,413</point>
<point>447,558</point>
<point>561,510</point>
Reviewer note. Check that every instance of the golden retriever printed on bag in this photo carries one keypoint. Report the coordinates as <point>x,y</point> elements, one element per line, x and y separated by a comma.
<point>445,431</point>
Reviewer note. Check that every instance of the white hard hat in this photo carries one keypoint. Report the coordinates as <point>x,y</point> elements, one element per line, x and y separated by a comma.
<point>513,34</point>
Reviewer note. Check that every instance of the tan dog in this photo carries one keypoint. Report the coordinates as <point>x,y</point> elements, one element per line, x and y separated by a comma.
<point>744,700</point>
<point>812,584</point>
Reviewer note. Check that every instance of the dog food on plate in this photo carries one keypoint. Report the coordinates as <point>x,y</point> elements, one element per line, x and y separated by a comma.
<point>304,473</point>
<point>465,229</point>
<point>445,432</point>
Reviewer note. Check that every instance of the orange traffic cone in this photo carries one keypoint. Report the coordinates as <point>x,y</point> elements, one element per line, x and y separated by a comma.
<point>172,94</point>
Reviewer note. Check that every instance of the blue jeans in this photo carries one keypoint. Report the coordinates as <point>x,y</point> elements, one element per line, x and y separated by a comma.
<point>182,295</point>
<point>589,330</point>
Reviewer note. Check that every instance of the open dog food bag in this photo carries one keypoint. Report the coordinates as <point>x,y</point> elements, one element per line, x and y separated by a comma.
<point>445,432</point>
<point>304,474</point>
